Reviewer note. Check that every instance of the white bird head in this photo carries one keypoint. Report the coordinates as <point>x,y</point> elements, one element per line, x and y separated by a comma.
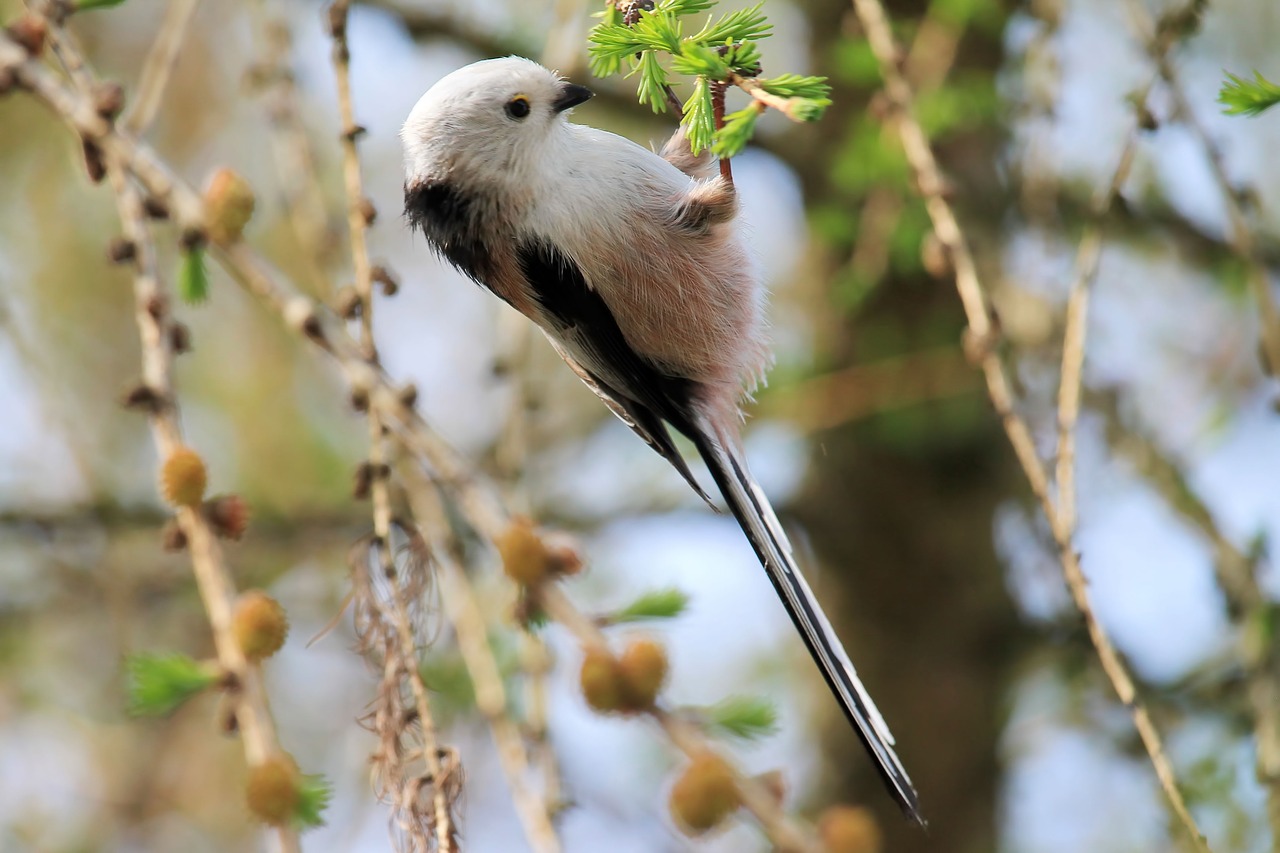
<point>488,121</point>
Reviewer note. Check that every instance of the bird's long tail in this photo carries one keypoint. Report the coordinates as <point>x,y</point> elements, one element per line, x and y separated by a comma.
<point>749,505</point>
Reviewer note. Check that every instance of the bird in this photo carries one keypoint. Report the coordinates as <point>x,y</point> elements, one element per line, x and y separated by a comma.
<point>634,265</point>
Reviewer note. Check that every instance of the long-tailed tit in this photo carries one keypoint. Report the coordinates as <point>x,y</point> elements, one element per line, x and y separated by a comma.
<point>634,267</point>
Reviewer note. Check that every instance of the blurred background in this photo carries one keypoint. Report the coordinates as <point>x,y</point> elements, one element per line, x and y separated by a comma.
<point>874,436</point>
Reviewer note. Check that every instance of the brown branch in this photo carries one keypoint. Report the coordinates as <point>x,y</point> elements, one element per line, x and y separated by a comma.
<point>158,66</point>
<point>358,220</point>
<point>299,182</point>
<point>1073,339</point>
<point>213,579</point>
<point>982,335</point>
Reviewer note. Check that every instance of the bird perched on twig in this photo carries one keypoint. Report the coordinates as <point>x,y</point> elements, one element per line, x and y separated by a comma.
<point>634,267</point>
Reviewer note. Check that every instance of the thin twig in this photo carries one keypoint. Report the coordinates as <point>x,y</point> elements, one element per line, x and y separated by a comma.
<point>1240,236</point>
<point>786,106</point>
<point>217,590</point>
<point>473,642</point>
<point>1073,338</point>
<point>213,579</point>
<point>158,66</point>
<point>1237,575</point>
<point>982,336</point>
<point>291,146</point>
<point>357,224</point>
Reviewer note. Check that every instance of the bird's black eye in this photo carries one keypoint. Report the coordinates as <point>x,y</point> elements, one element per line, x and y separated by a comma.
<point>518,107</point>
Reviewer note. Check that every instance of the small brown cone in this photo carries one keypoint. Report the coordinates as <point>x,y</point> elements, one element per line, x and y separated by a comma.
<point>183,478</point>
<point>228,516</point>
<point>525,557</point>
<point>602,682</point>
<point>259,624</point>
<point>704,795</point>
<point>849,829</point>
<point>273,791</point>
<point>229,203</point>
<point>643,666</point>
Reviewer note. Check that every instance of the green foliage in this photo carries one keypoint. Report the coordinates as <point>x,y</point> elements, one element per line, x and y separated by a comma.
<point>193,278</point>
<point>699,116</point>
<point>1250,98</point>
<point>158,684</point>
<point>853,61</point>
<point>653,81</point>
<point>84,5</point>
<point>797,86</point>
<point>314,794</point>
<point>742,25</point>
<point>659,604</point>
<point>737,131</point>
<point>964,102</point>
<point>723,49</point>
<point>745,717</point>
<point>987,14</point>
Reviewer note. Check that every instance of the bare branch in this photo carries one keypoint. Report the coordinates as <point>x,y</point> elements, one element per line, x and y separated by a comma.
<point>158,66</point>
<point>357,223</point>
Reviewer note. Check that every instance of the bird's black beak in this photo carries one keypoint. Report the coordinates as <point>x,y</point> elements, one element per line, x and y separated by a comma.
<point>571,94</point>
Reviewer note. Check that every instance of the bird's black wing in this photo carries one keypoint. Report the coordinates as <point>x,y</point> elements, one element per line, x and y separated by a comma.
<point>588,337</point>
<point>587,329</point>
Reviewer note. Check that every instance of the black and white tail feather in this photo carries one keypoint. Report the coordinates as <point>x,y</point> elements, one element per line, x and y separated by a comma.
<point>754,513</point>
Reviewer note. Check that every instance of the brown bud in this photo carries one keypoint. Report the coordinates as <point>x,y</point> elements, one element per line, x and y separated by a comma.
<point>183,478</point>
<point>354,132</point>
<point>312,329</point>
<point>260,625</point>
<point>408,395</point>
<point>360,400</point>
<point>347,302</point>
<point>601,681</point>
<point>229,203</point>
<point>144,398</point>
<point>228,515</point>
<point>363,481</point>
<point>179,338</point>
<point>172,537</point>
<point>29,31</point>
<point>524,555</point>
<point>121,250</point>
<point>338,21</point>
<point>849,829</point>
<point>386,278</point>
<point>155,207</point>
<point>274,790</point>
<point>157,304</point>
<point>192,239</point>
<point>367,211</point>
<point>108,100</point>
<point>643,667</point>
<point>94,165</point>
<point>704,795</point>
